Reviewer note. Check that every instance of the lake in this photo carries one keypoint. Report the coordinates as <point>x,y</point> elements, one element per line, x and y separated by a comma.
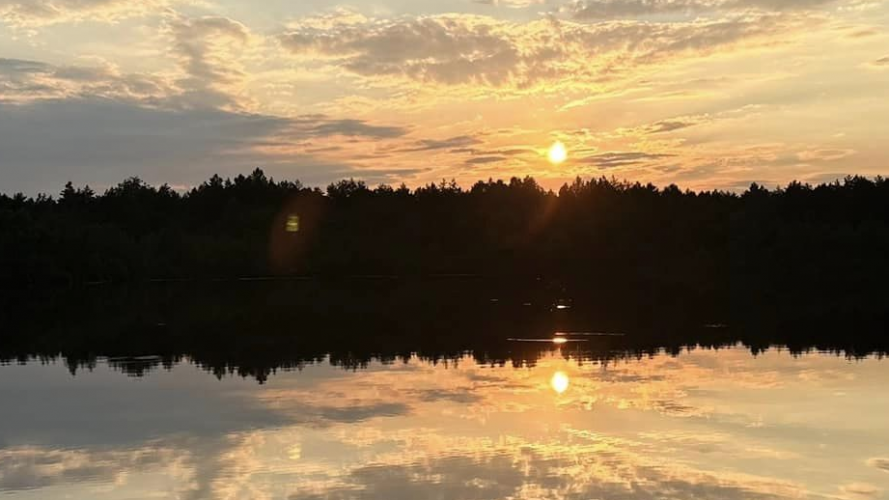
<point>453,391</point>
<point>711,424</point>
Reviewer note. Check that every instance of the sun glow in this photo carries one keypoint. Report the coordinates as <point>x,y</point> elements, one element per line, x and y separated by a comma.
<point>557,153</point>
<point>560,382</point>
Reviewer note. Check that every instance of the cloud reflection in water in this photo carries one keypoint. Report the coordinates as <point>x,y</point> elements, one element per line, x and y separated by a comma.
<point>706,425</point>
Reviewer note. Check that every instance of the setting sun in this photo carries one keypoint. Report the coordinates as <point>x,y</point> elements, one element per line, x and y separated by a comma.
<point>557,153</point>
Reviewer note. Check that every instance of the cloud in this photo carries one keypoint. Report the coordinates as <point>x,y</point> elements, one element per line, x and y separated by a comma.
<point>36,13</point>
<point>338,16</point>
<point>534,473</point>
<point>661,128</point>
<point>668,126</point>
<point>624,9</point>
<point>515,151</point>
<point>445,49</point>
<point>824,154</point>
<point>545,54</point>
<point>513,4</point>
<point>97,141</point>
<point>436,452</point>
<point>458,142</point>
<point>622,159</point>
<point>208,50</point>
<point>322,126</point>
<point>194,465</point>
<point>28,468</point>
<point>18,66</point>
<point>464,396</point>
<point>504,152</point>
<point>23,80</point>
<point>614,9</point>
<point>860,490</point>
<point>325,415</point>
<point>882,62</point>
<point>483,160</point>
<point>879,463</point>
<point>101,133</point>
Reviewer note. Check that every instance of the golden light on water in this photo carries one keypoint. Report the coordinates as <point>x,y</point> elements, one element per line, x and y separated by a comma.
<point>644,417</point>
<point>560,382</point>
<point>557,153</point>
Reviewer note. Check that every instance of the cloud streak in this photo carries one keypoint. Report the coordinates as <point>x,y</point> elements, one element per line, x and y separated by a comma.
<point>40,13</point>
<point>882,62</point>
<point>622,159</point>
<point>463,141</point>
<point>24,80</point>
<point>628,9</point>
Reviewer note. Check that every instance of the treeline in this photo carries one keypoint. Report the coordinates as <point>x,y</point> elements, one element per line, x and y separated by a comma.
<point>797,243</point>
<point>256,328</point>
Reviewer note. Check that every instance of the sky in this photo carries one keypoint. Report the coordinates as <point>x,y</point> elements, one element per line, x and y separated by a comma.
<point>706,94</point>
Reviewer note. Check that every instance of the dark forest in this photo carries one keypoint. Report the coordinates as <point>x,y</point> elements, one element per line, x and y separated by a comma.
<point>800,266</point>
<point>832,238</point>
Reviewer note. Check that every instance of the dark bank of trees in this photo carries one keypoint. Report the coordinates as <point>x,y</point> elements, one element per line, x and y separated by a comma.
<point>814,248</point>
<point>256,328</point>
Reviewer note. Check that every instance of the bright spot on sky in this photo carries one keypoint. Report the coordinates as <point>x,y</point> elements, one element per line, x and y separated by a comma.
<point>292,225</point>
<point>560,340</point>
<point>560,382</point>
<point>557,153</point>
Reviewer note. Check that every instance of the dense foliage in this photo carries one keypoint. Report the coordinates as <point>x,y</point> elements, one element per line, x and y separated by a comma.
<point>797,243</point>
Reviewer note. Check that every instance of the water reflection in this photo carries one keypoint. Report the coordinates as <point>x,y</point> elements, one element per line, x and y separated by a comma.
<point>704,424</point>
<point>560,382</point>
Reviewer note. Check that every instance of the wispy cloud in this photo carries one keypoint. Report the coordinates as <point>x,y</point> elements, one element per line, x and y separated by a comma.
<point>882,62</point>
<point>462,141</point>
<point>38,13</point>
<point>481,51</point>
<point>622,159</point>
<point>23,80</point>
<point>623,9</point>
<point>879,463</point>
<point>482,160</point>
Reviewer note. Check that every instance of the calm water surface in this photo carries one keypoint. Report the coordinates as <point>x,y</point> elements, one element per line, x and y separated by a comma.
<point>705,424</point>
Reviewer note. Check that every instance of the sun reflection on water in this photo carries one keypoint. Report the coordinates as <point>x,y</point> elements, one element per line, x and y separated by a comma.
<point>560,382</point>
<point>701,421</point>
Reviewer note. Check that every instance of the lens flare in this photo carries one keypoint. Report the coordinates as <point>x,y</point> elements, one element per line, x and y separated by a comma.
<point>292,224</point>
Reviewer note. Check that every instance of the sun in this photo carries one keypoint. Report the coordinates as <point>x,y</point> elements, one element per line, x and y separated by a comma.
<point>557,153</point>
